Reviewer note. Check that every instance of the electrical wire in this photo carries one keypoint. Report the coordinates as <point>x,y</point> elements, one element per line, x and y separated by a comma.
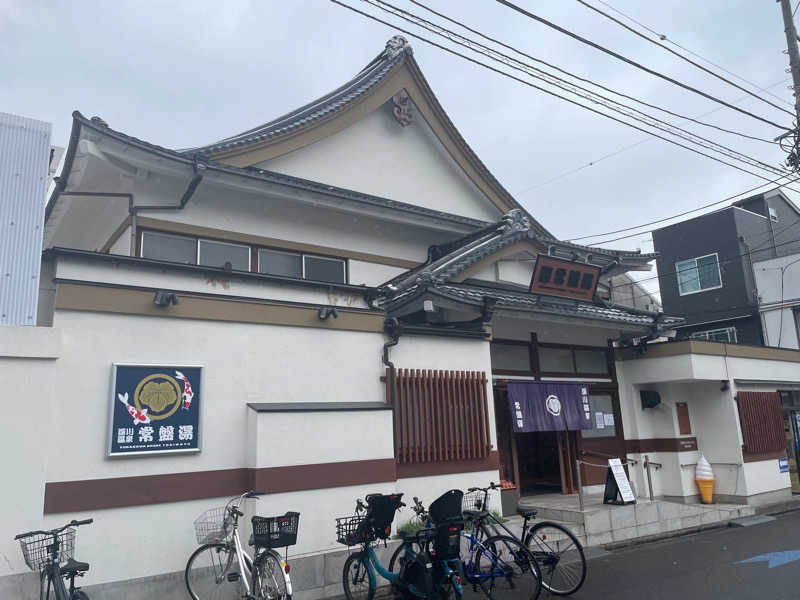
<point>467,43</point>
<point>583,79</point>
<point>633,63</point>
<point>783,273</point>
<point>675,216</point>
<point>616,152</point>
<point>664,38</point>
<point>679,55</point>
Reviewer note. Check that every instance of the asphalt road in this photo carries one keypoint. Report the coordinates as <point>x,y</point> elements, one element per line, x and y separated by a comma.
<point>705,565</point>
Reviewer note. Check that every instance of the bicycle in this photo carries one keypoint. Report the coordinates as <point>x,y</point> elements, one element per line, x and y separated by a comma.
<point>46,552</point>
<point>556,549</point>
<point>493,563</point>
<point>418,576</point>
<point>222,568</point>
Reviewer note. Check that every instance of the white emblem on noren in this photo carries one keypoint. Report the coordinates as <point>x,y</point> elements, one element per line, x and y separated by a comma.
<point>553,405</point>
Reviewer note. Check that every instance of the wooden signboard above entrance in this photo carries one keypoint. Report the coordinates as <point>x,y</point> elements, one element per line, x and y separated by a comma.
<point>564,278</point>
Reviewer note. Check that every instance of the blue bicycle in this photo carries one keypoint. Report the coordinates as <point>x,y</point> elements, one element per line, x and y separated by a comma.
<point>429,566</point>
<point>497,563</point>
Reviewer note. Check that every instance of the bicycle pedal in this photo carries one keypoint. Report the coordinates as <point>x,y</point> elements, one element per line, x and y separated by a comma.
<point>232,577</point>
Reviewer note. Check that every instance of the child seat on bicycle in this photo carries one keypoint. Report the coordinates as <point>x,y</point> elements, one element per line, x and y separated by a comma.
<point>380,515</point>
<point>445,515</point>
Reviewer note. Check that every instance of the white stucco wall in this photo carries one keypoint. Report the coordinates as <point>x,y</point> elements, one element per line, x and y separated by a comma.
<point>378,156</point>
<point>244,363</point>
<point>28,357</point>
<point>696,379</point>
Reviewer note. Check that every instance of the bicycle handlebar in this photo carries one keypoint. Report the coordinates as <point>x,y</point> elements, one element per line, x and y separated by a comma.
<point>55,531</point>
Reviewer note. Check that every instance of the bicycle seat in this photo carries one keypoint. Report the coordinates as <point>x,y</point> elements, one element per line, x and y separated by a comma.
<point>74,566</point>
<point>475,514</point>
<point>526,512</point>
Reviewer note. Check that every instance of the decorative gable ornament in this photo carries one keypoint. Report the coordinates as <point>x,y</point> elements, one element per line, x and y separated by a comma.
<point>403,108</point>
<point>396,45</point>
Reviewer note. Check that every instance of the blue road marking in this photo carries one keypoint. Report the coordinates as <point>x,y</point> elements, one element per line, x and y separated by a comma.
<point>775,559</point>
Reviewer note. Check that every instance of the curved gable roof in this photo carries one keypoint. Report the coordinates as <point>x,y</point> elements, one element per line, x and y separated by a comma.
<point>391,71</point>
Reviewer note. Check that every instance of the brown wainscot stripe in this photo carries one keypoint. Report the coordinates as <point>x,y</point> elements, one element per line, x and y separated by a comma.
<point>118,492</point>
<point>684,444</point>
<point>96,298</point>
<point>427,469</point>
<point>759,456</point>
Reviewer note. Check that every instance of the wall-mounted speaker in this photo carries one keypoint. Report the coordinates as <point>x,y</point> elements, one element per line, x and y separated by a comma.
<point>650,399</point>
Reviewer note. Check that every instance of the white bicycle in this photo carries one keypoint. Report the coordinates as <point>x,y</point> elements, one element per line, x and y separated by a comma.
<point>221,569</point>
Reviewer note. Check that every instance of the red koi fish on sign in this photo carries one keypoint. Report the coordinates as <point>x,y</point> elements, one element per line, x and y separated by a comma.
<point>188,394</point>
<point>139,416</point>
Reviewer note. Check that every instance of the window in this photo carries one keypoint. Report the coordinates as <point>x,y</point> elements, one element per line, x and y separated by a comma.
<point>603,423</point>
<point>698,274</point>
<point>237,257</point>
<point>726,334</point>
<point>318,268</point>
<point>573,360</point>
<point>174,248</point>
<point>275,262</point>
<point>511,357</point>
<point>222,254</point>
<point>556,360</point>
<point>773,214</point>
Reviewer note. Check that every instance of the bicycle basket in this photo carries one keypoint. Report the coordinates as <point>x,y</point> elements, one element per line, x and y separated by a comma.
<point>214,525</point>
<point>276,532</point>
<point>473,501</point>
<point>35,549</point>
<point>353,530</point>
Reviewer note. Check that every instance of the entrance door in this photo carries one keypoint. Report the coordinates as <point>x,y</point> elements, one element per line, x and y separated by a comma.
<point>791,424</point>
<point>537,462</point>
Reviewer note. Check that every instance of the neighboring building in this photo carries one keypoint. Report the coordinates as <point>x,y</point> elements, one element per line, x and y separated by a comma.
<point>338,302</point>
<point>778,283</point>
<point>705,266</point>
<point>24,162</point>
<point>625,290</point>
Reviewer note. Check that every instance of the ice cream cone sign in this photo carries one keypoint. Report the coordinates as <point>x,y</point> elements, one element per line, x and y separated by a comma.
<point>704,477</point>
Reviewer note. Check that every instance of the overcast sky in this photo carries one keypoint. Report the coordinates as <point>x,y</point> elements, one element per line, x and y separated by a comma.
<point>180,74</point>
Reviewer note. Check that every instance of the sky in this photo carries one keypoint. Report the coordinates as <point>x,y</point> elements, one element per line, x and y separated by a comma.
<point>182,73</point>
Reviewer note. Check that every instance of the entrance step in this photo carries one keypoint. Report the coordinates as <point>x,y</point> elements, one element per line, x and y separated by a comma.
<point>558,509</point>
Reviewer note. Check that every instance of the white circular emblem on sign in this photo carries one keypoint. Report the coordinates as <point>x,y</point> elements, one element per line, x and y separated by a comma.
<point>553,405</point>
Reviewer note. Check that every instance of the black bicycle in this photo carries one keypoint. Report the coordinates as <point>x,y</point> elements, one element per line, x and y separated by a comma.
<point>50,553</point>
<point>557,551</point>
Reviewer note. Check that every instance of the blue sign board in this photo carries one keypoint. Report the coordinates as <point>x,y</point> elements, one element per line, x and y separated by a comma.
<point>155,409</point>
<point>783,465</point>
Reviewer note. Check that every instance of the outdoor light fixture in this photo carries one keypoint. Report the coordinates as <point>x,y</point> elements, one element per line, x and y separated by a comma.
<point>327,311</point>
<point>724,385</point>
<point>163,298</point>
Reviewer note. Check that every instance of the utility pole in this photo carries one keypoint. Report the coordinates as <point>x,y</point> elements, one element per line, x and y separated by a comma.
<point>790,141</point>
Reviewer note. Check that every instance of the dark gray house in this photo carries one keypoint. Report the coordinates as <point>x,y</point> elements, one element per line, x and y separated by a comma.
<point>705,265</point>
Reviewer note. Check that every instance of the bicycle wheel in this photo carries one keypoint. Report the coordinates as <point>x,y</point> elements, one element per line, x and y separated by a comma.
<point>355,578</point>
<point>212,573</point>
<point>504,565</point>
<point>269,582</point>
<point>560,557</point>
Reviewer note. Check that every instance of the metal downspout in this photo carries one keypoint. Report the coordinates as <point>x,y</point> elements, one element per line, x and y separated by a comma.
<point>392,327</point>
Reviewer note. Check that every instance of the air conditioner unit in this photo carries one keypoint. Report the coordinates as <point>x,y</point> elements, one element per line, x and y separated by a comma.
<point>650,399</point>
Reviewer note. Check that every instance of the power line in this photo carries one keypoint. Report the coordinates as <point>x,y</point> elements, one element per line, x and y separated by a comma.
<point>574,76</point>
<point>616,152</point>
<point>675,216</point>
<point>664,38</point>
<point>681,56</point>
<point>633,63</point>
<point>481,49</point>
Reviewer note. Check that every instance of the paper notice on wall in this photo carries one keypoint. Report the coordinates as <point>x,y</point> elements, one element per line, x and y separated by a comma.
<point>608,418</point>
<point>600,422</point>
